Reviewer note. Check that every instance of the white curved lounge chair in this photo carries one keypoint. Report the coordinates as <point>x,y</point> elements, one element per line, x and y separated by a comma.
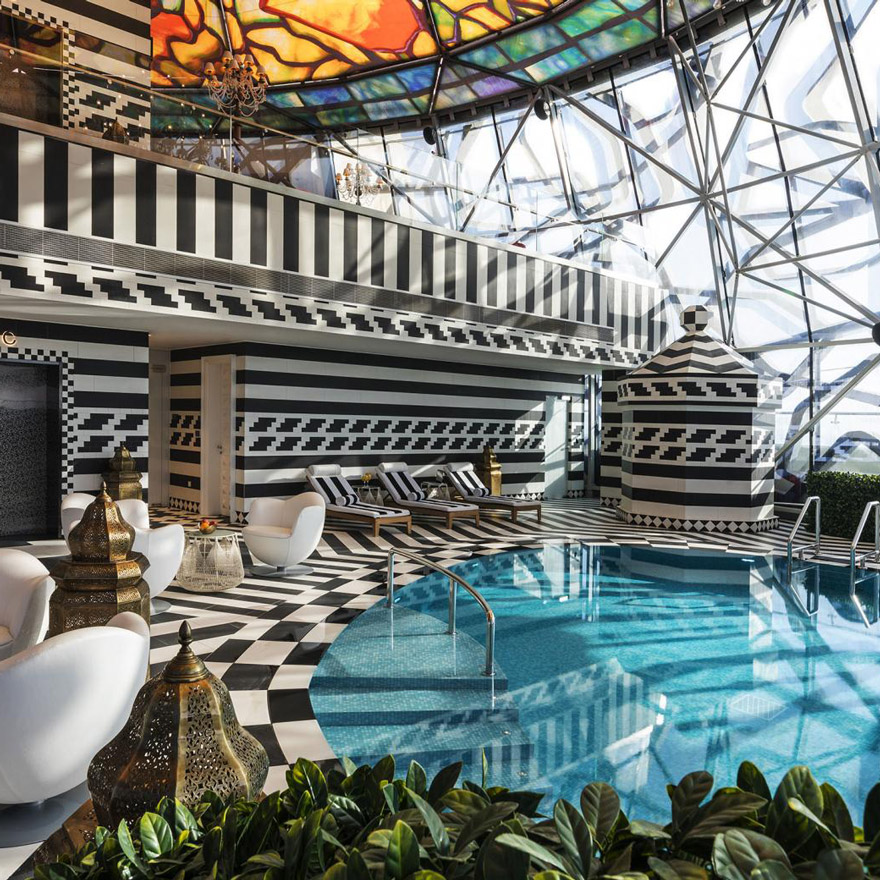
<point>284,533</point>
<point>163,546</point>
<point>342,500</point>
<point>63,700</point>
<point>406,492</point>
<point>25,588</point>
<point>470,487</point>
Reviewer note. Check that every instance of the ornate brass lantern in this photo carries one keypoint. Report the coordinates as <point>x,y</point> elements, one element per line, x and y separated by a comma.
<point>123,480</point>
<point>181,740</point>
<point>101,577</point>
<point>490,471</point>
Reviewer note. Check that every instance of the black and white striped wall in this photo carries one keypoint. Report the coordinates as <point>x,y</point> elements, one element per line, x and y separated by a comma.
<point>104,377</point>
<point>212,221</point>
<point>299,406</point>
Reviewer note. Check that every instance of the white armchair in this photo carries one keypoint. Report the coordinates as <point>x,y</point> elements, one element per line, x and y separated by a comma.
<point>283,533</point>
<point>163,546</point>
<point>63,700</point>
<point>25,588</point>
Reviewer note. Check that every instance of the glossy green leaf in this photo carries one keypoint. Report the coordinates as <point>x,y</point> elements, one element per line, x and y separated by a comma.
<point>790,828</point>
<point>727,807</point>
<point>349,766</point>
<point>503,862</point>
<point>689,794</point>
<point>677,869</point>
<point>484,764</point>
<point>357,867</point>
<point>601,807</point>
<point>799,806</point>
<point>736,853</point>
<point>750,778</point>
<point>416,778</point>
<point>383,770</point>
<point>336,872</point>
<point>426,875</point>
<point>464,803</point>
<point>267,860</point>
<point>575,836</point>
<point>836,814</point>
<point>527,802</point>
<point>871,820</point>
<point>402,855</point>
<point>538,853</point>
<point>839,864</point>
<point>552,875</point>
<point>652,830</point>
<point>443,782</point>
<point>433,822</point>
<point>305,776</point>
<point>480,823</point>
<point>771,870</point>
<point>155,835</point>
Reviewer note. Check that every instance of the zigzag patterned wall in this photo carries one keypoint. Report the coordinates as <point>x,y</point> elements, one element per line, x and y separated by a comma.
<point>103,395</point>
<point>298,406</point>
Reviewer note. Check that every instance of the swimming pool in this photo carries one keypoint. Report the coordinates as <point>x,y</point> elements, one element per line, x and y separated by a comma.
<point>630,665</point>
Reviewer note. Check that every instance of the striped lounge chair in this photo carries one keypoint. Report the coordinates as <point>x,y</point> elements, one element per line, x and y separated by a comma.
<point>469,486</point>
<point>406,492</point>
<point>342,500</point>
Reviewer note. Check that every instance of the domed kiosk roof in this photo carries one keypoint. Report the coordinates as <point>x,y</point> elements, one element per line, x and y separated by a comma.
<point>698,352</point>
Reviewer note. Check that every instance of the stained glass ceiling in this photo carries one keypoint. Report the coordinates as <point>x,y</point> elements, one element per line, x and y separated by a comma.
<point>343,63</point>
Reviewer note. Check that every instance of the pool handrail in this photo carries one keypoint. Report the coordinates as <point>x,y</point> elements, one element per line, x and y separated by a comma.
<point>816,544</point>
<point>860,560</point>
<point>454,580</point>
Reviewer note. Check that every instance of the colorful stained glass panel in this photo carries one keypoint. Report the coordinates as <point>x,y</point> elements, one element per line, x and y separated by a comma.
<point>294,40</point>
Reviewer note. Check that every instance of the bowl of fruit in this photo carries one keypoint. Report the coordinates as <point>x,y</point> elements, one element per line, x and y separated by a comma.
<point>206,526</point>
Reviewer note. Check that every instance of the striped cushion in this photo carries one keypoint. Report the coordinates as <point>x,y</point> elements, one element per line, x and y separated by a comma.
<point>403,486</point>
<point>336,490</point>
<point>471,483</point>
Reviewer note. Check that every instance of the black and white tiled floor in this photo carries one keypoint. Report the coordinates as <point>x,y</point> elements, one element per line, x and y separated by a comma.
<point>265,638</point>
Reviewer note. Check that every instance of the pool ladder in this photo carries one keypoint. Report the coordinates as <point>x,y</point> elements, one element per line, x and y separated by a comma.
<point>816,544</point>
<point>454,582</point>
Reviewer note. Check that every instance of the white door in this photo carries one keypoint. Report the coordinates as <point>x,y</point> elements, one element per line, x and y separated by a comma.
<point>217,450</point>
<point>555,447</point>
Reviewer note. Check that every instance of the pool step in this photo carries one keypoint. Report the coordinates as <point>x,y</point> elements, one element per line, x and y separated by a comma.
<point>344,706</point>
<point>436,743</point>
<point>402,648</point>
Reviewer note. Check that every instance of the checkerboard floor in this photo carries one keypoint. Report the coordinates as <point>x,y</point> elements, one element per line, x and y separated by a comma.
<point>265,638</point>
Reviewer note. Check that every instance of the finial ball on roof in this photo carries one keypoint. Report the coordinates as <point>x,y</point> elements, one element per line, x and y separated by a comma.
<point>695,318</point>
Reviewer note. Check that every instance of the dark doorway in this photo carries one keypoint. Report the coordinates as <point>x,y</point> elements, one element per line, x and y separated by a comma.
<point>30,450</point>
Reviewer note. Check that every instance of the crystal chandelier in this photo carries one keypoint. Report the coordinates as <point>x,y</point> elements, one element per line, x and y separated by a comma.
<point>236,83</point>
<point>358,184</point>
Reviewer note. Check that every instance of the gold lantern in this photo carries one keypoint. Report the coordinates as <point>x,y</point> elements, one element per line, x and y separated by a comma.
<point>490,471</point>
<point>181,740</point>
<point>123,480</point>
<point>101,577</point>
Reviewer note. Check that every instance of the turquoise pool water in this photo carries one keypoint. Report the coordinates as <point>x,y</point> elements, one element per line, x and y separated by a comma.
<point>625,664</point>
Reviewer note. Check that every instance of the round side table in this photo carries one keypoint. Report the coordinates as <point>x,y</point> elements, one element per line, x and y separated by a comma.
<point>211,563</point>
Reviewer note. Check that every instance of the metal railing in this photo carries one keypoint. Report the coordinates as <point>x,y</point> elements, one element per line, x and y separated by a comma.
<point>454,580</point>
<point>816,544</point>
<point>857,560</point>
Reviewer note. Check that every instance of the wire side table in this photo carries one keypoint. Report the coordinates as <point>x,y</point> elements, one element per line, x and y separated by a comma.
<point>211,563</point>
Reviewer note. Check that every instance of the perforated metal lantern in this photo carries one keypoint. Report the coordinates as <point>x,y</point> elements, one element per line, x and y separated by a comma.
<point>181,740</point>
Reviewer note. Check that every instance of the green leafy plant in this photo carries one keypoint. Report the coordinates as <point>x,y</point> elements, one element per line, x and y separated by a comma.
<point>844,496</point>
<point>364,823</point>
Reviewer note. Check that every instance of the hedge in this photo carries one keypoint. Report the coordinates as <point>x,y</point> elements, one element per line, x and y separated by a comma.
<point>844,496</point>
